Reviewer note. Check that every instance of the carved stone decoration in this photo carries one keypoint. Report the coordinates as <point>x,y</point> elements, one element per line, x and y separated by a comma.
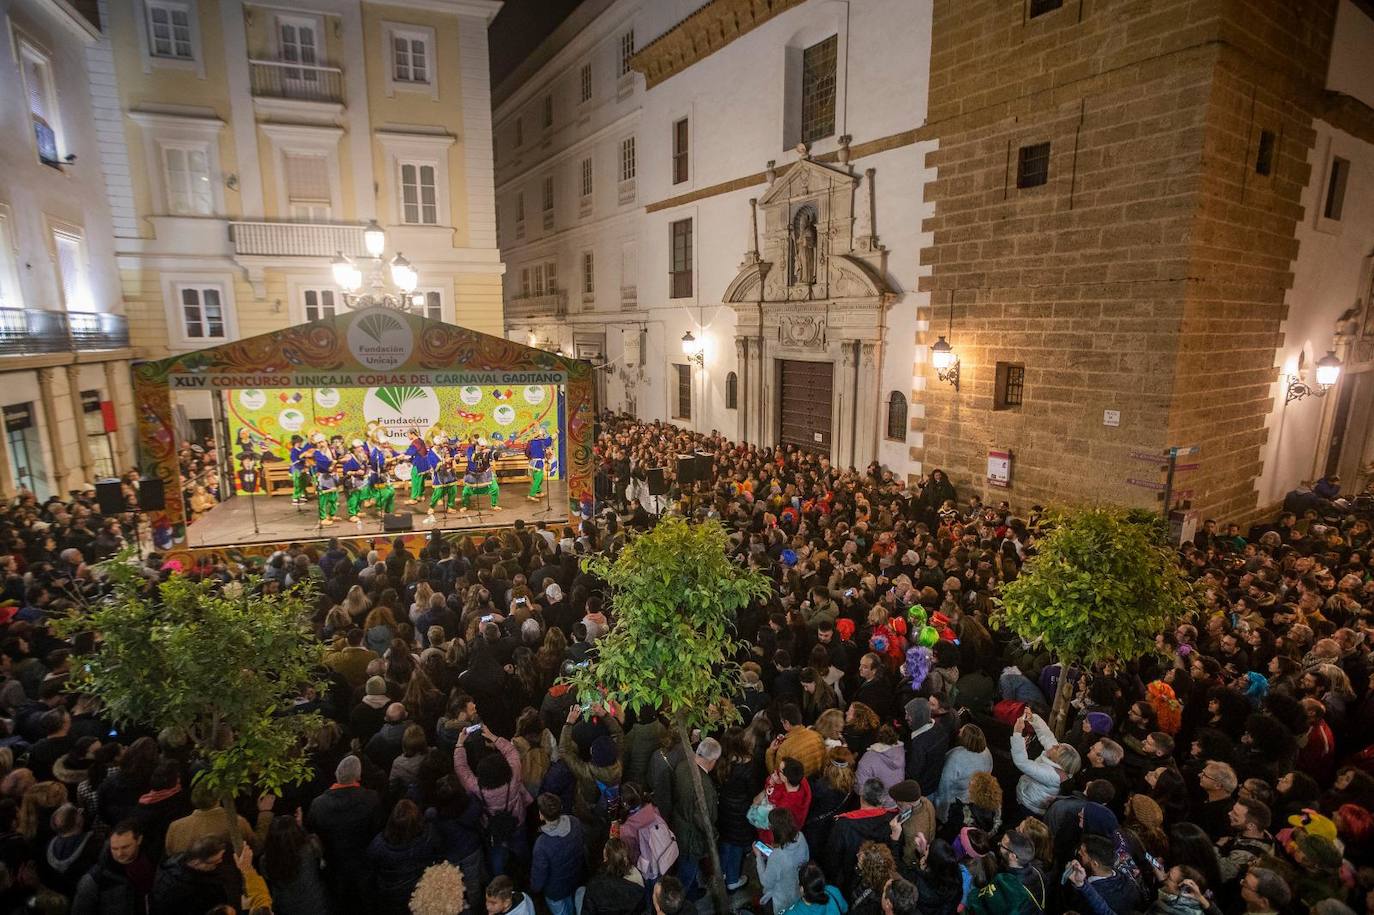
<point>868,352</point>
<point>802,331</point>
<point>803,245</point>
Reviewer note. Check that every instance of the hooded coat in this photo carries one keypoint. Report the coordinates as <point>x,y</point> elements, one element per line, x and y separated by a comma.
<point>560,858</point>
<point>867,824</point>
<point>884,761</point>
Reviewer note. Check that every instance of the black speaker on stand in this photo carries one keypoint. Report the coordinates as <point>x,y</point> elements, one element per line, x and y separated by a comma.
<point>151,497</point>
<point>657,479</point>
<point>110,497</point>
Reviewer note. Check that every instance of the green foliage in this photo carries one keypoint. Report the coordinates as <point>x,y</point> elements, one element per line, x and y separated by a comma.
<point>1102,584</point>
<point>675,594</point>
<point>215,665</point>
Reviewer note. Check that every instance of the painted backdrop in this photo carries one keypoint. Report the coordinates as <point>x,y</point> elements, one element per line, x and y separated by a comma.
<point>502,414</point>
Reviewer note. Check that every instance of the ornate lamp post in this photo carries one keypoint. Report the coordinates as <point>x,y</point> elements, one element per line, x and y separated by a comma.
<point>400,294</point>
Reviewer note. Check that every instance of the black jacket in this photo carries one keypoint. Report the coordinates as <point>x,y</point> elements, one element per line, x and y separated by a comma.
<point>607,895</point>
<point>849,831</point>
<point>180,890</point>
<point>106,890</point>
<point>925,758</point>
<point>346,819</point>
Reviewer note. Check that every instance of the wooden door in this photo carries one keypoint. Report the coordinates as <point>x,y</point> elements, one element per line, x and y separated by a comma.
<point>804,394</point>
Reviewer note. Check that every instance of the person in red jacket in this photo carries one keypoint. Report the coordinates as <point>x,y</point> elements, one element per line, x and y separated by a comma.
<point>787,788</point>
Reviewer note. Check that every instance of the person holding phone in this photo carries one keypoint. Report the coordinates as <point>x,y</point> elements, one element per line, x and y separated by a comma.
<point>778,868</point>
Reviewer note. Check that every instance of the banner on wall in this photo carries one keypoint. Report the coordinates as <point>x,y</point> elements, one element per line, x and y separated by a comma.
<point>263,420</point>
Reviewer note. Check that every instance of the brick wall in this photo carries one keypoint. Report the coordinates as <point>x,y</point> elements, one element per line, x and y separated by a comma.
<point>1147,275</point>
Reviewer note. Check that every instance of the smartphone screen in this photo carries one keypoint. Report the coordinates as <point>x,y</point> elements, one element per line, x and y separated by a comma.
<point>764,848</point>
<point>905,815</point>
<point>471,729</point>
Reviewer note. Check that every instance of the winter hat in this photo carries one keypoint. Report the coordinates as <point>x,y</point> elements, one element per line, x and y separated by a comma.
<point>1313,823</point>
<point>917,713</point>
<point>1098,820</point>
<point>907,791</point>
<point>1146,811</point>
<point>376,686</point>
<point>1099,722</point>
<point>604,753</point>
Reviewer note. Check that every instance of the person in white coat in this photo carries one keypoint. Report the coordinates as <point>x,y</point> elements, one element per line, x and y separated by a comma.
<point>1042,778</point>
<point>970,754</point>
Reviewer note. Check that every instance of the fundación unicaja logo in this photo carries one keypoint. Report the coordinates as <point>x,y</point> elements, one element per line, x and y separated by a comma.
<point>399,409</point>
<point>380,339</point>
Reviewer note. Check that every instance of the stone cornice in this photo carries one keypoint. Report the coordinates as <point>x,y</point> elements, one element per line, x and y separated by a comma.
<point>702,34</point>
<point>1349,114</point>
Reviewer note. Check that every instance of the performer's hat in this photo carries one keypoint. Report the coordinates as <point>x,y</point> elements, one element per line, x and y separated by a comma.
<point>357,443</point>
<point>317,437</point>
<point>439,438</point>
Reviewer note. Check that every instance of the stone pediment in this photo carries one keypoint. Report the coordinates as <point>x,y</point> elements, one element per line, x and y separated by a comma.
<point>747,286</point>
<point>805,178</point>
<point>856,278</point>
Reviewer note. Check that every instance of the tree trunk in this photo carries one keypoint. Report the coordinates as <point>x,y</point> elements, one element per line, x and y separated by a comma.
<point>720,899</point>
<point>235,835</point>
<point>1059,712</point>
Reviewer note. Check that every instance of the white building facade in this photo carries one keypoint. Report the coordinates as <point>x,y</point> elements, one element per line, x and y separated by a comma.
<point>756,182</point>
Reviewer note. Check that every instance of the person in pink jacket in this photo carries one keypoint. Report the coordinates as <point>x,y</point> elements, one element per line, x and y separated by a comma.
<point>501,789</point>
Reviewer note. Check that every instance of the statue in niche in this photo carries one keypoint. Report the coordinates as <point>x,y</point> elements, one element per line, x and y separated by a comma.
<point>804,247</point>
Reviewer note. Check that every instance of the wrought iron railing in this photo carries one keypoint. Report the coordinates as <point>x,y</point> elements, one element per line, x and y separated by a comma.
<point>290,80</point>
<point>296,239</point>
<point>31,331</point>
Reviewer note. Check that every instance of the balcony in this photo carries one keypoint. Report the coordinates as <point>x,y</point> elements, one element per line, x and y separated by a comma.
<point>297,82</point>
<point>29,331</point>
<point>296,239</point>
<point>551,305</point>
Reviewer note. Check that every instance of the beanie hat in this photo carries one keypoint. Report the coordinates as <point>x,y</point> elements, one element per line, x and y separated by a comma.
<point>1099,722</point>
<point>1147,811</point>
<point>604,753</point>
<point>1098,820</point>
<point>376,686</point>
<point>907,791</point>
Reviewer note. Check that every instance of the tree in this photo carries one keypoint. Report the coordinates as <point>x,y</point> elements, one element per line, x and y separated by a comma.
<point>1102,583</point>
<point>221,665</point>
<point>675,595</point>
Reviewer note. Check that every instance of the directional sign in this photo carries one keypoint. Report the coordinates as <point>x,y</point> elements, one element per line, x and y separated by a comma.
<point>1178,467</point>
<point>1184,450</point>
<point>1146,484</point>
<point>1154,457</point>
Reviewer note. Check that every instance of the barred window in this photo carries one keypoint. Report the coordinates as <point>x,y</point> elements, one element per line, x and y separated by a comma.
<point>896,416</point>
<point>1008,386</point>
<point>1033,165</point>
<point>731,391</point>
<point>818,89</point>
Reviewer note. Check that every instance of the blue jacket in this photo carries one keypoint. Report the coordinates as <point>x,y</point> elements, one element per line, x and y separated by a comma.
<point>560,859</point>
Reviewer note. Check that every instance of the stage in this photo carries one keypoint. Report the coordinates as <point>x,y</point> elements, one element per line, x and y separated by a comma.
<point>230,524</point>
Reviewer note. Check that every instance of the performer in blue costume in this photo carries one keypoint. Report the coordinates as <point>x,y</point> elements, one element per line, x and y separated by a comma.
<point>538,451</point>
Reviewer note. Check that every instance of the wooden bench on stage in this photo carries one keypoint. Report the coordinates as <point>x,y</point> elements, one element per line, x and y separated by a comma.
<point>277,477</point>
<point>513,468</point>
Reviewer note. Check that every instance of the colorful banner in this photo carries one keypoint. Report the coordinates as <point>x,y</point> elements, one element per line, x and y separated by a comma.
<point>264,419</point>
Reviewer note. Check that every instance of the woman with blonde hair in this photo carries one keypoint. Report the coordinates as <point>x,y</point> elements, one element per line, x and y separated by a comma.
<point>336,623</point>
<point>982,810</point>
<point>830,725</point>
<point>1034,828</point>
<point>357,603</point>
<point>423,593</point>
<point>36,809</point>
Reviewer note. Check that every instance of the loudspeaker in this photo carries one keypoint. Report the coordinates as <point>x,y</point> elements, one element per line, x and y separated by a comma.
<point>108,495</point>
<point>686,469</point>
<point>150,497</point>
<point>706,469</point>
<point>658,483</point>
<point>396,522</point>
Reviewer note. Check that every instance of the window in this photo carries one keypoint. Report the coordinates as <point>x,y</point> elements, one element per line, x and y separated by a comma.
<point>308,190</point>
<point>818,89</point>
<point>93,419</point>
<point>1041,7</point>
<point>548,194</point>
<point>551,277</point>
<point>519,132</point>
<point>1008,385</point>
<point>683,407</point>
<point>584,93</point>
<point>586,177</point>
<point>547,117</point>
<point>411,60</point>
<point>896,416</point>
<point>26,451</point>
<point>186,172</point>
<point>681,265</point>
<point>169,30</point>
<point>588,273</point>
<point>627,51</point>
<point>202,312</point>
<point>1335,188</point>
<point>11,295</point>
<point>1264,156</point>
<point>298,42</point>
<point>680,138</point>
<point>319,303</point>
<point>731,391</point>
<point>537,272</point>
<point>42,95</point>
<point>627,159</point>
<point>1033,165</point>
<point>69,250</point>
<point>419,194</point>
<point>525,288</point>
<point>520,206</point>
<point>434,305</point>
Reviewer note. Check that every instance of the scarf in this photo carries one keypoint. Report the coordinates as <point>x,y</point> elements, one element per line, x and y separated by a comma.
<point>160,795</point>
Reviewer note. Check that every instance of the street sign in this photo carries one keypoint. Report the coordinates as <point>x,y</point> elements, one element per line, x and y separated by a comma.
<point>1178,467</point>
<point>1154,457</point>
<point>1146,484</point>
<point>1184,450</point>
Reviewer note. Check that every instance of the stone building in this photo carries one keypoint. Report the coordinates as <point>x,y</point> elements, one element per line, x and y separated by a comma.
<point>1121,198</point>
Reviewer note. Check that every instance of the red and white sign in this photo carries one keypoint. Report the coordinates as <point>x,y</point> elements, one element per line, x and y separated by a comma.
<point>999,468</point>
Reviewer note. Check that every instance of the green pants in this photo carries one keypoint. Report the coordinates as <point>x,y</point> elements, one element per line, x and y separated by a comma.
<point>417,484</point>
<point>536,482</point>
<point>472,489</point>
<point>384,497</point>
<point>329,503</point>
<point>298,479</point>
<point>357,498</point>
<point>443,492</point>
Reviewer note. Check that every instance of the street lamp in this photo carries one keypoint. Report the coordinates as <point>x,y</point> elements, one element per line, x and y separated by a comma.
<point>404,278</point>
<point>943,357</point>
<point>691,348</point>
<point>1328,373</point>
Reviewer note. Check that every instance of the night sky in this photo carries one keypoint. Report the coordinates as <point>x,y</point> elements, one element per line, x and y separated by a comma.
<point>518,29</point>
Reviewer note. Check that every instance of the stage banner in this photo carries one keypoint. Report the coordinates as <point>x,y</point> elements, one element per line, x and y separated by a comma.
<point>263,420</point>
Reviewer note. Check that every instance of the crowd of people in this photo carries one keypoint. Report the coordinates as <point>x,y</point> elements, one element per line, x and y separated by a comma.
<point>891,756</point>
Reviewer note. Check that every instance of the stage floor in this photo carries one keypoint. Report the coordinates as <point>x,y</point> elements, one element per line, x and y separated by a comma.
<point>278,521</point>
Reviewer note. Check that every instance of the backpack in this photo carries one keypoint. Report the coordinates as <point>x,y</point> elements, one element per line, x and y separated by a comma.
<point>608,804</point>
<point>657,849</point>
